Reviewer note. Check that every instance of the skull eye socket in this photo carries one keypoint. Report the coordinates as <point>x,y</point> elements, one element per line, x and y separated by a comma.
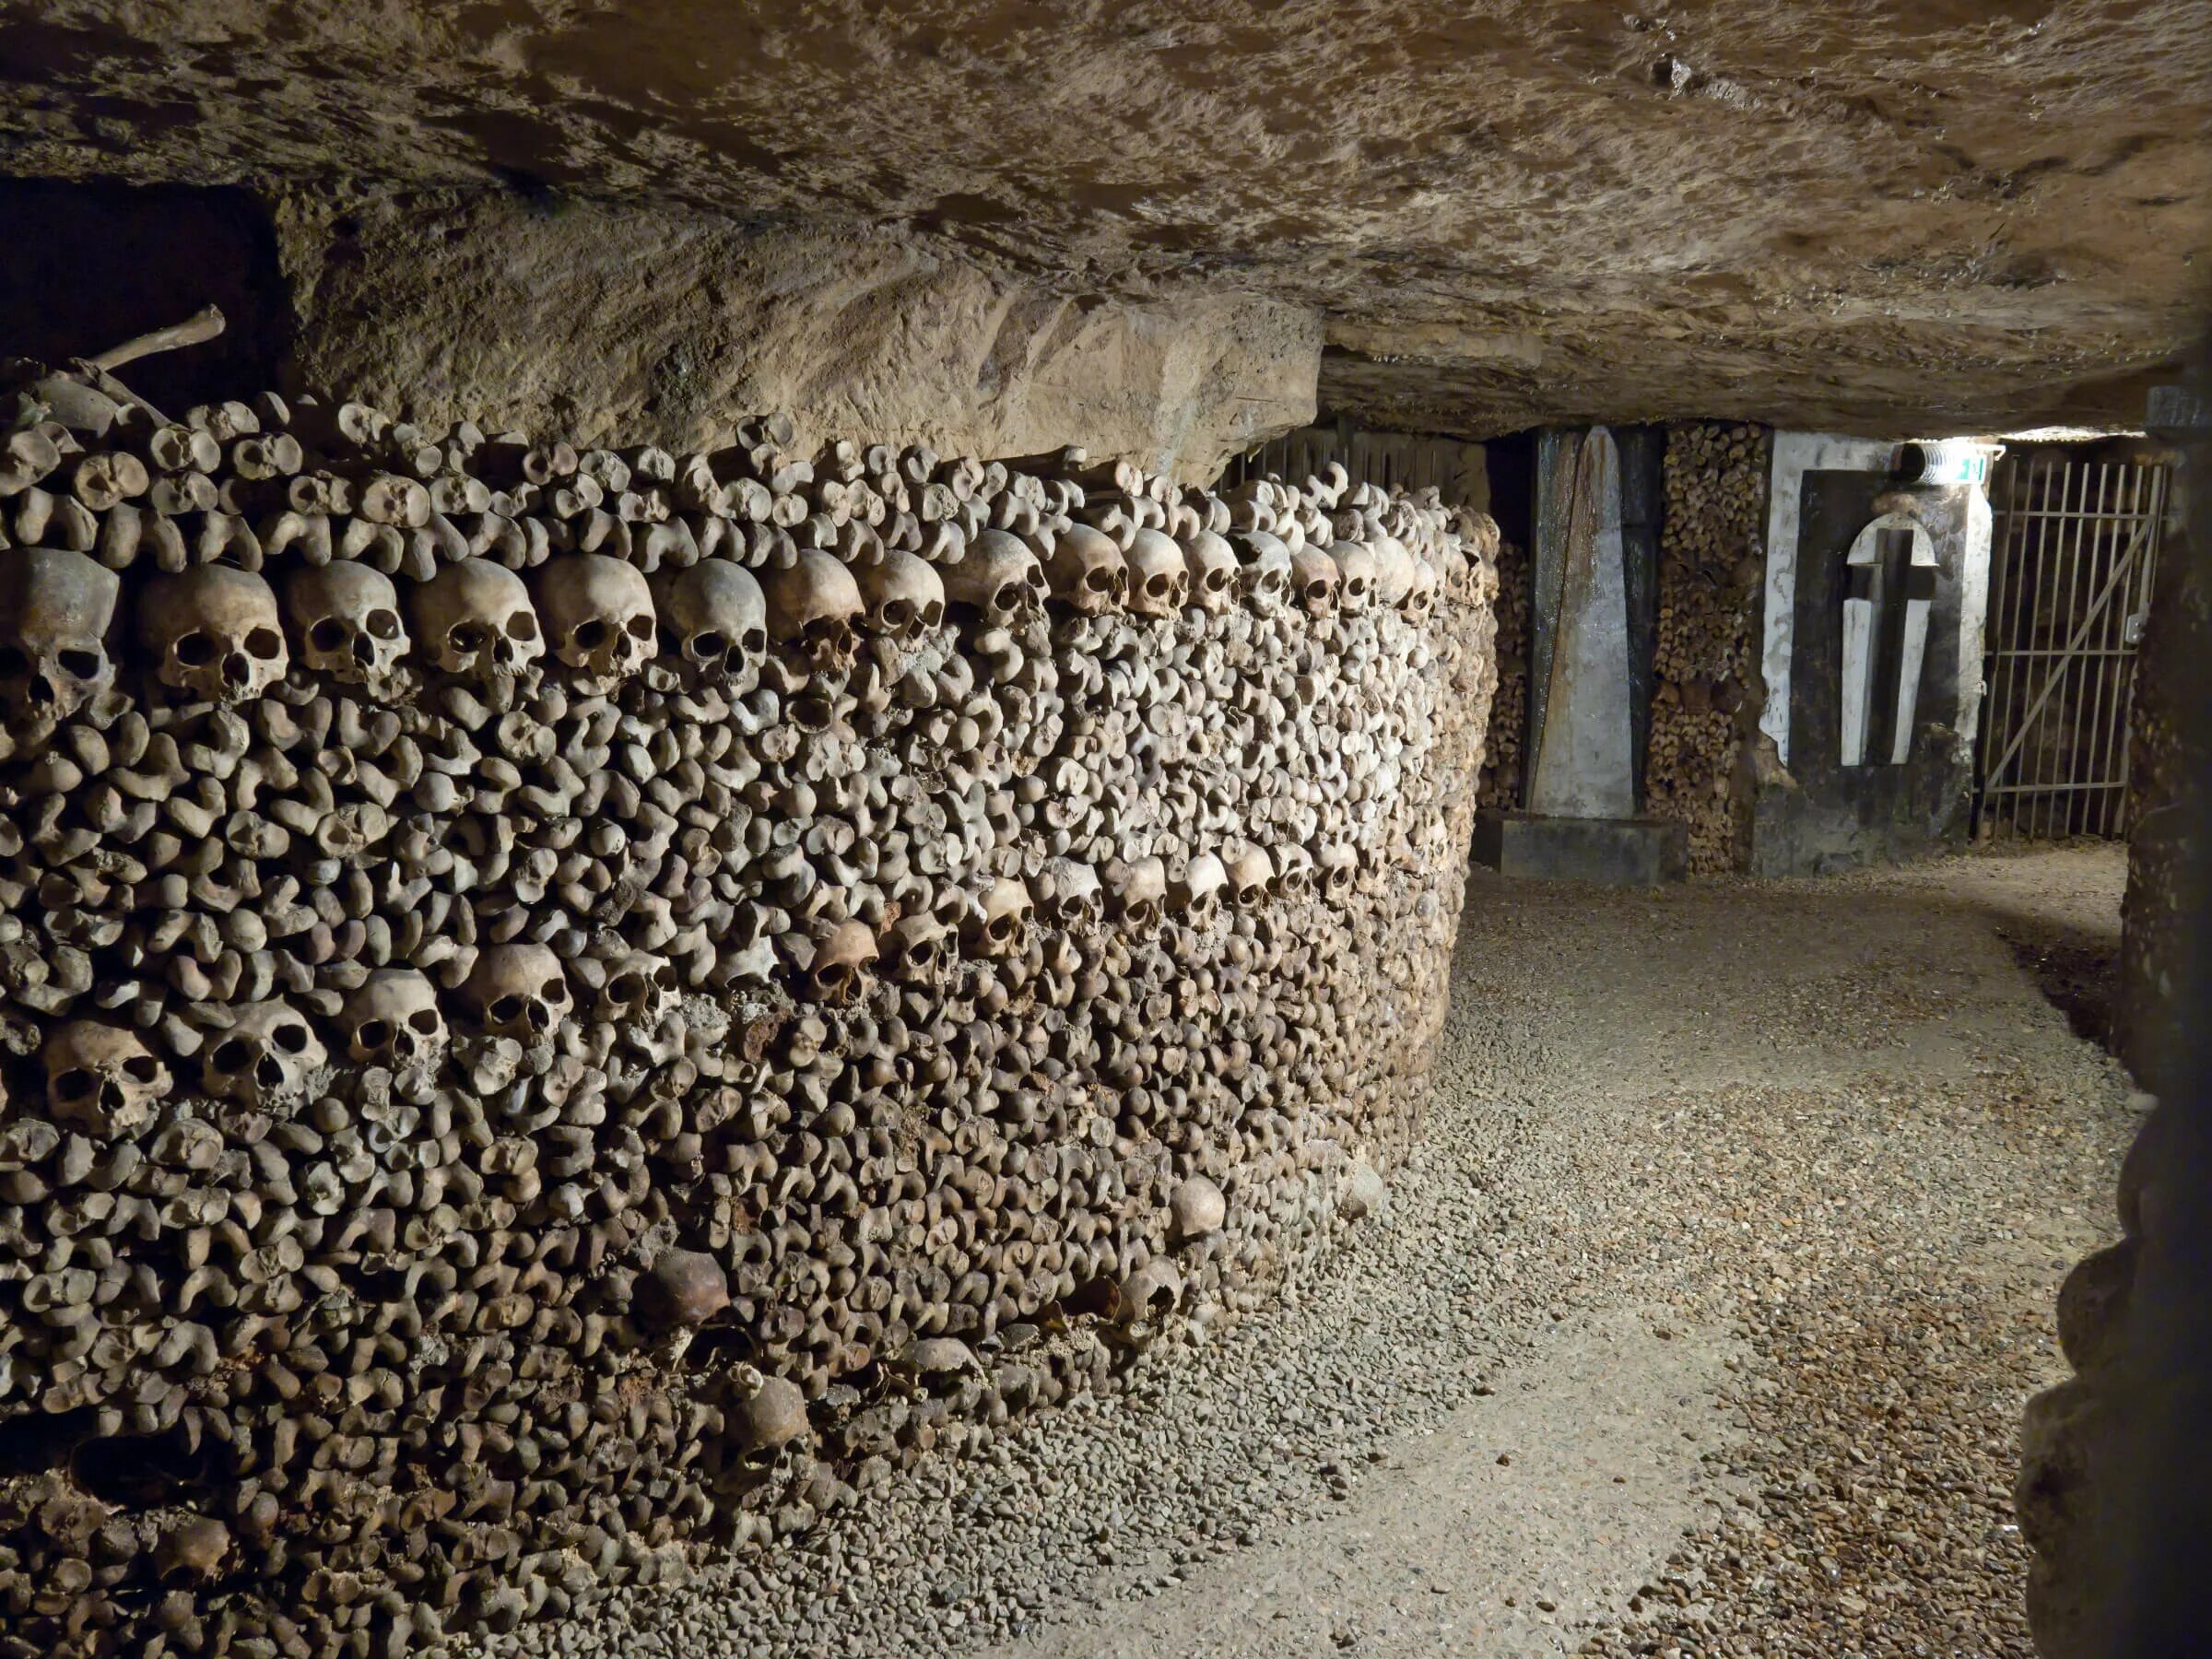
<point>75,1084</point>
<point>999,927</point>
<point>625,987</point>
<point>897,613</point>
<point>383,624</point>
<point>505,1009</point>
<point>14,664</point>
<point>1008,597</point>
<point>230,1054</point>
<point>467,636</point>
<point>522,625</point>
<point>664,977</point>
<point>555,991</point>
<point>586,636</point>
<point>265,644</point>
<point>373,1034</point>
<point>834,974</point>
<point>142,1068</point>
<point>640,628</point>
<point>755,641</point>
<point>706,643</point>
<point>80,665</point>
<point>328,634</point>
<point>193,649</point>
<point>291,1038</point>
<point>424,1020</point>
<point>1156,584</point>
<point>1099,579</point>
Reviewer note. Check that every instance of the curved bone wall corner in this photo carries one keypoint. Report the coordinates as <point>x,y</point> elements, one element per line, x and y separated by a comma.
<point>564,1009</point>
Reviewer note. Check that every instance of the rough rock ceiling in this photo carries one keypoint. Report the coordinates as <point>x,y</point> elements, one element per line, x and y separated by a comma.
<point>1965,213</point>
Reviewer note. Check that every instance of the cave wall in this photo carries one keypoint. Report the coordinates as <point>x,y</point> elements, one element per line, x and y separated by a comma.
<point>563,1005</point>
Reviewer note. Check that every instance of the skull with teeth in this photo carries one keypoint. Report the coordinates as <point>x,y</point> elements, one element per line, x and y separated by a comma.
<point>811,609</point>
<point>716,617</point>
<point>998,578</point>
<point>393,1020</point>
<point>265,1059</point>
<point>598,612</point>
<point>101,1079</point>
<point>999,925</point>
<point>216,631</point>
<point>1314,578</point>
<point>518,991</point>
<point>345,615</point>
<point>1266,571</point>
<point>1213,567</point>
<point>1159,578</point>
<point>903,596</point>
<point>55,607</point>
<point>477,618</point>
<point>1087,572</point>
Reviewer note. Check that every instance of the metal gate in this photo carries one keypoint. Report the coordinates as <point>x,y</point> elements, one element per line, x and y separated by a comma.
<point>2075,546</point>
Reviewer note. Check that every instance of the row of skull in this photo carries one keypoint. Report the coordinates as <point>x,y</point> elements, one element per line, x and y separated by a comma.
<point>104,1079</point>
<point>224,636</point>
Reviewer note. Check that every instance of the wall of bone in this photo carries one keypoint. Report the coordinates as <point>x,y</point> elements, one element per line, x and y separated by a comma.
<point>562,1007</point>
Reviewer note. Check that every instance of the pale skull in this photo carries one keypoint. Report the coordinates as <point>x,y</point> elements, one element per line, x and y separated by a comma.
<point>1336,866</point>
<point>1072,889</point>
<point>55,608</point>
<point>1266,571</point>
<point>1293,871</point>
<point>345,615</point>
<point>715,615</point>
<point>394,1020</point>
<point>1213,567</point>
<point>265,1058</point>
<point>811,608</point>
<point>1250,872</point>
<point>902,596</point>
<point>999,926</point>
<point>216,632</point>
<point>1159,578</point>
<point>1139,889</point>
<point>598,616</point>
<point>998,578</point>
<point>518,991</point>
<point>640,990</point>
<point>1421,591</point>
<point>1393,571</point>
<point>477,620</point>
<point>1087,572</point>
<point>1314,581</point>
<point>101,1079</point>
<point>1356,572</point>
<point>1198,894</point>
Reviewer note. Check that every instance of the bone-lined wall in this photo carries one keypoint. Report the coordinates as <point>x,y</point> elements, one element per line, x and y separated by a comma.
<point>563,1007</point>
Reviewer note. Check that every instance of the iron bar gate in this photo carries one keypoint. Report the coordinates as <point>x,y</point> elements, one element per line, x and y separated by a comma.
<point>2075,546</point>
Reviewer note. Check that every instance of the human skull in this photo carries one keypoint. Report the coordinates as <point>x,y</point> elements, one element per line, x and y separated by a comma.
<point>1159,577</point>
<point>918,948</point>
<point>902,596</point>
<point>1198,894</point>
<point>215,630</point>
<point>999,925</point>
<point>1314,577</point>
<point>639,990</point>
<point>1356,574</point>
<point>1196,1209</point>
<point>715,615</point>
<point>1337,866</point>
<point>811,609</point>
<point>55,608</point>
<point>1072,890</point>
<point>1250,874</point>
<point>836,968</point>
<point>1420,593</point>
<point>1139,889</point>
<point>998,577</point>
<point>1213,567</point>
<point>518,991</point>
<point>1087,572</point>
<point>1393,571</point>
<point>477,618</point>
<point>1293,871</point>
<point>265,1058</point>
<point>1266,571</point>
<point>598,616</point>
<point>394,1020</point>
<point>102,1079</point>
<point>345,615</point>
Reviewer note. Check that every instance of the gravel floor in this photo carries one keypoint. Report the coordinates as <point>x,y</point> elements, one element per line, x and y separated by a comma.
<point>1698,1324</point>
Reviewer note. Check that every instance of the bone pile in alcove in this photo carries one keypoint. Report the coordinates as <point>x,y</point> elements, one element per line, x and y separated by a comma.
<point>1711,567</point>
<point>560,1001</point>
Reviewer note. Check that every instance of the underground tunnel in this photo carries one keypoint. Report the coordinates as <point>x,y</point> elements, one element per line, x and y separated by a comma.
<point>1079,831</point>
